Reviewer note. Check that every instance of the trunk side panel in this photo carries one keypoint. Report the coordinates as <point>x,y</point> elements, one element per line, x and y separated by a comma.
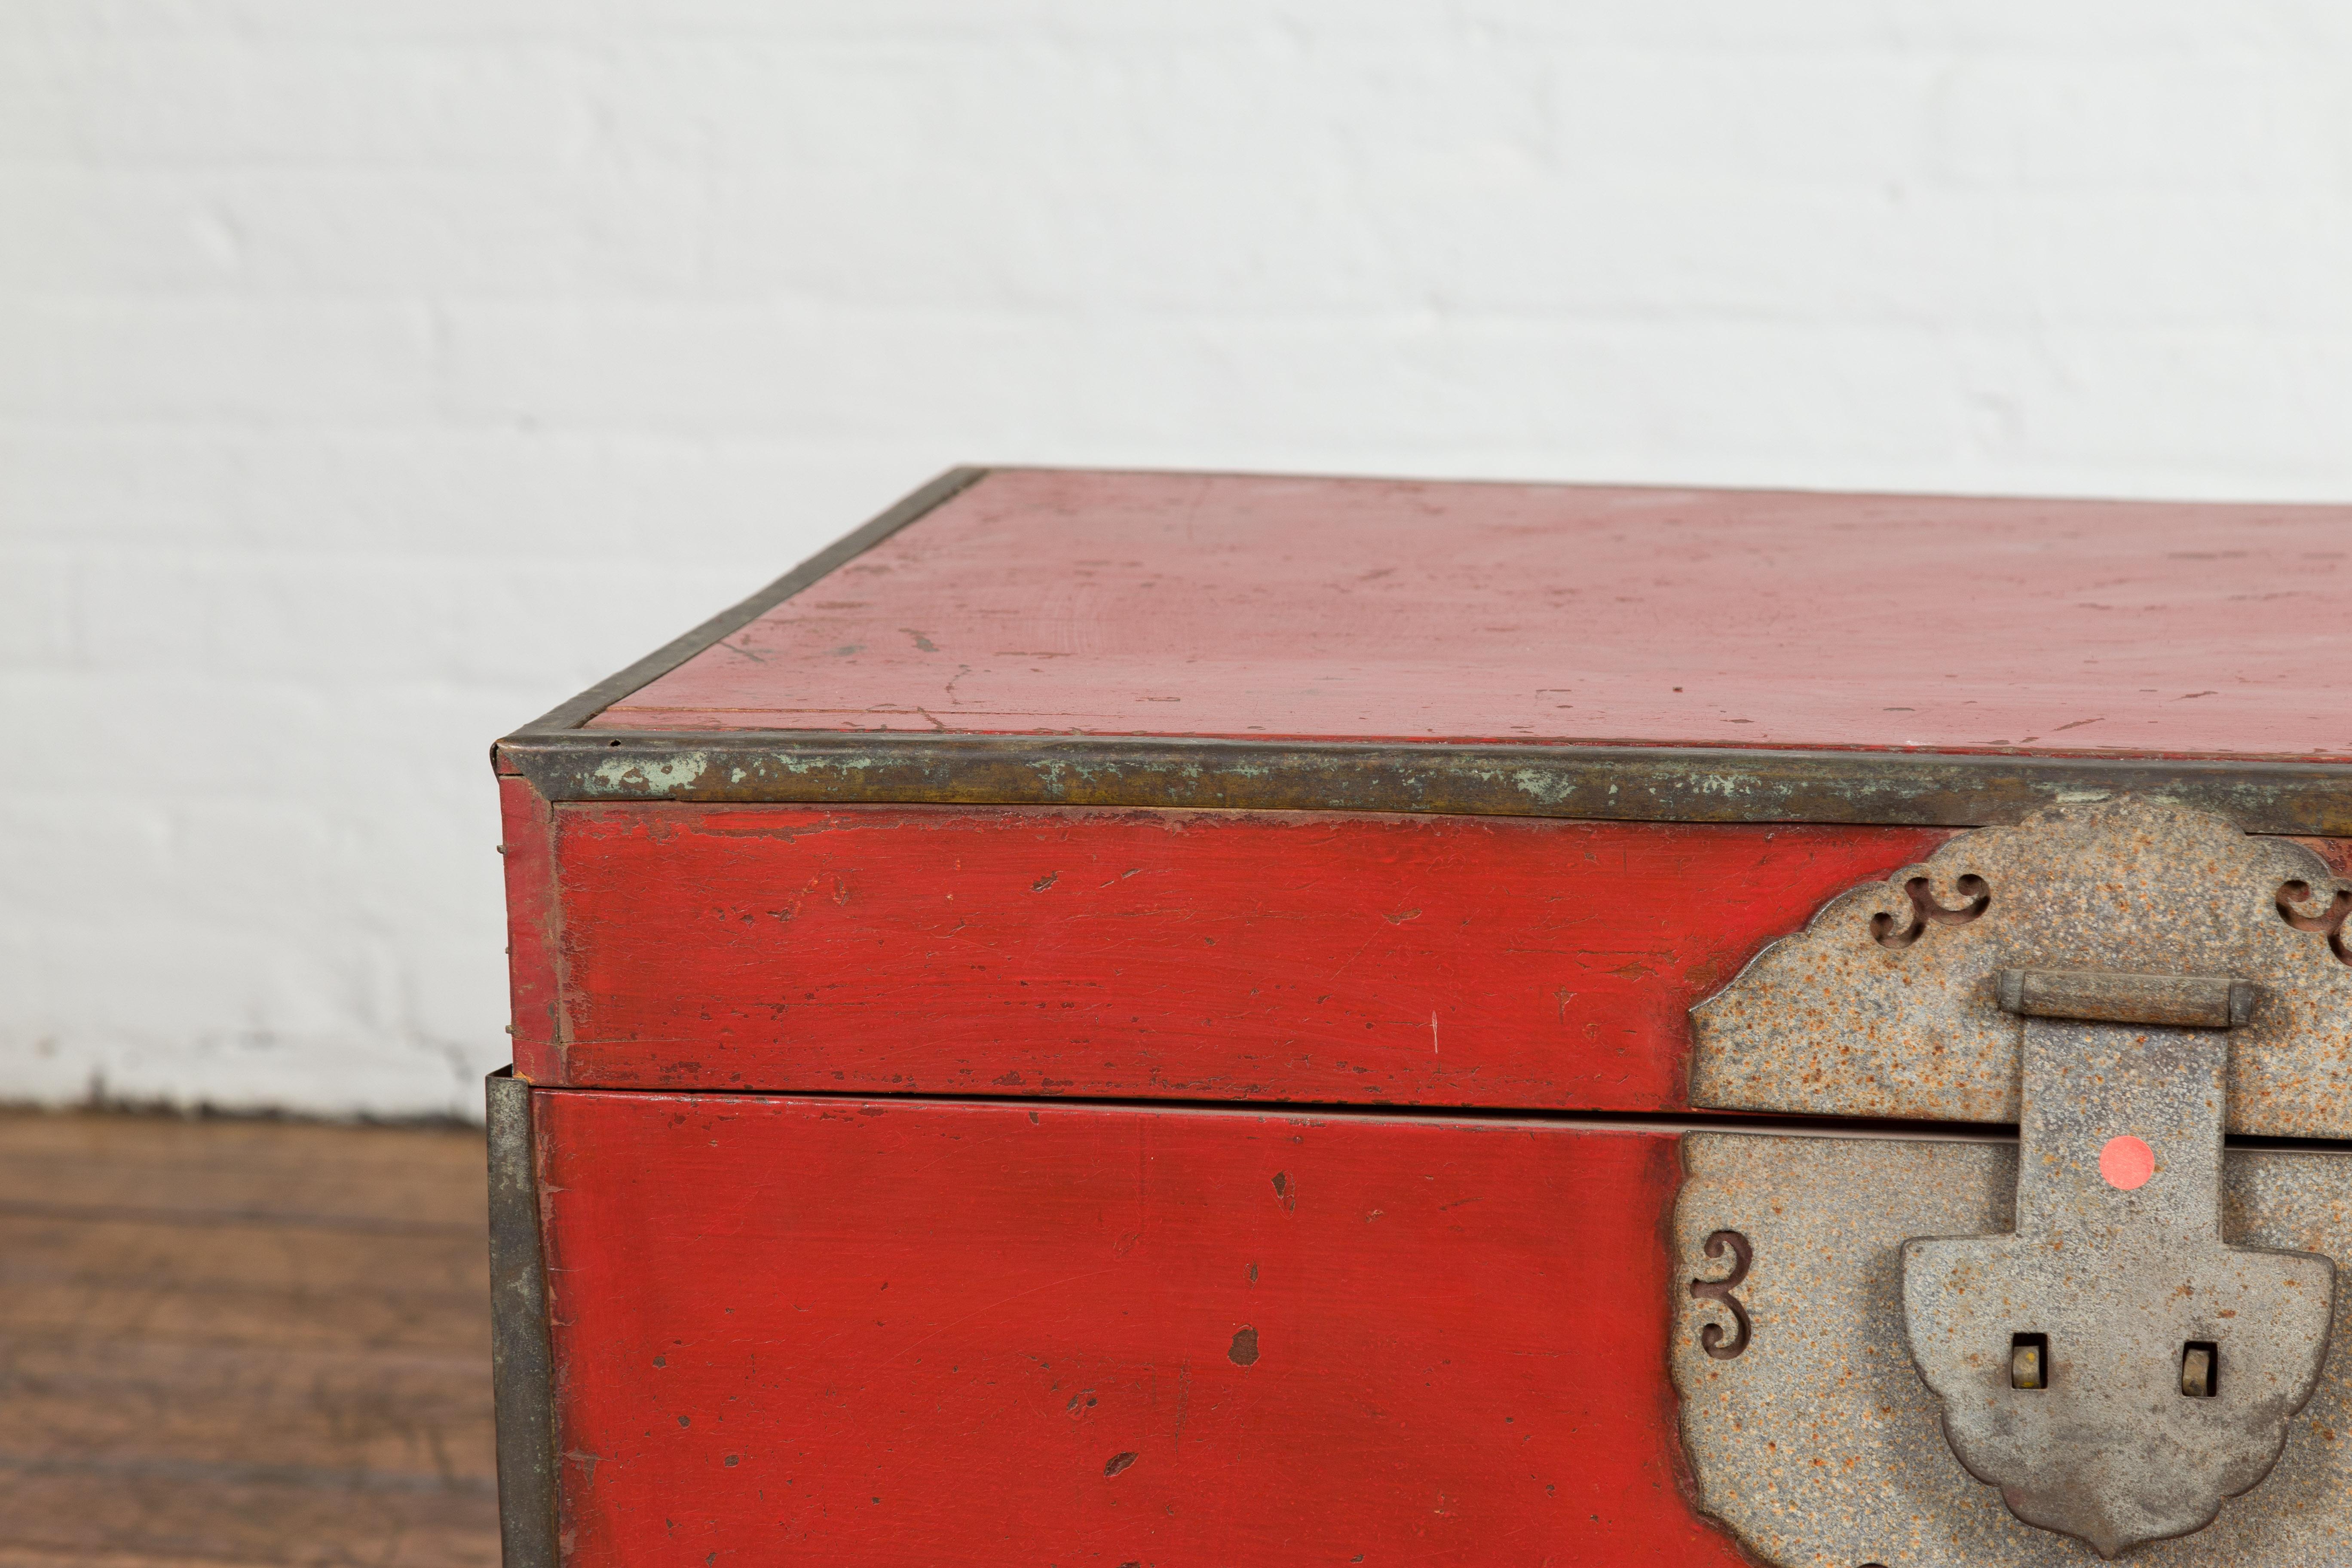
<point>1314,957</point>
<point>918,1334</point>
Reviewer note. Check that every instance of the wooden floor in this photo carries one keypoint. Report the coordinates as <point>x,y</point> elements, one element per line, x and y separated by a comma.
<point>231,1341</point>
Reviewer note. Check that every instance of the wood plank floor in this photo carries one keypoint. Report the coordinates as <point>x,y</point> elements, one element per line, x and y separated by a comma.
<point>229,1343</point>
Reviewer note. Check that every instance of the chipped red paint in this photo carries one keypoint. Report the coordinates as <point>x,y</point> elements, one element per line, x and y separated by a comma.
<point>908,1334</point>
<point>2336,852</point>
<point>1312,957</point>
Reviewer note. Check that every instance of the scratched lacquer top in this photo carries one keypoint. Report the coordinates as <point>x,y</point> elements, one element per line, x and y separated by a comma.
<point>1161,605</point>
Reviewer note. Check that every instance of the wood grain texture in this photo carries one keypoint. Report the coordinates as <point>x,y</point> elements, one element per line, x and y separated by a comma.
<point>221,1169</point>
<point>1041,602</point>
<point>1312,957</point>
<point>897,1334</point>
<point>241,1343</point>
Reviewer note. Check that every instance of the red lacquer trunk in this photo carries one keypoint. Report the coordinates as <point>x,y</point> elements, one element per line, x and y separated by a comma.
<point>1143,1020</point>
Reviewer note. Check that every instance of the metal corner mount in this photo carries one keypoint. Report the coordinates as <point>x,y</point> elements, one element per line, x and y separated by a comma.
<point>1887,1004</point>
<point>521,1364</point>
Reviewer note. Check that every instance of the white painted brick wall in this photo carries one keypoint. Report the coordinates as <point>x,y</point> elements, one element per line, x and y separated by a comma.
<point>374,373</point>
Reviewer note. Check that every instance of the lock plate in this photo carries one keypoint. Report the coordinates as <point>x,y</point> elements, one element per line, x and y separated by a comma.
<point>2114,1273</point>
<point>1818,1444</point>
<point>2110,1359</point>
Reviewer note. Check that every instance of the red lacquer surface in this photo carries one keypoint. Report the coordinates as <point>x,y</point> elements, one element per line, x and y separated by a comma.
<point>1316,957</point>
<point>909,1335</point>
<point>1205,605</point>
<point>527,853</point>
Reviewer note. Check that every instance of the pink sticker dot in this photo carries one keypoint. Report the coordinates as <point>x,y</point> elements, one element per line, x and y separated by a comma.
<point>2126,1163</point>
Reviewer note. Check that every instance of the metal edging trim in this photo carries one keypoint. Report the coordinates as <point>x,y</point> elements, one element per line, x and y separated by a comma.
<point>1600,783</point>
<point>521,1359</point>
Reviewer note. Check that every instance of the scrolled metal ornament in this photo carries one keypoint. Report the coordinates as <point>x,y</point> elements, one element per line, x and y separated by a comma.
<point>1711,1336</point>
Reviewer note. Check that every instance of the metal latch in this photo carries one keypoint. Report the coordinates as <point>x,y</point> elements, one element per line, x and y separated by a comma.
<point>1911,1349</point>
<point>2111,1364</point>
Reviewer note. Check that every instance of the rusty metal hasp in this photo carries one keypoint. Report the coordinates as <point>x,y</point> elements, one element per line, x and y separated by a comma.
<point>2111,1364</point>
<point>2073,1323</point>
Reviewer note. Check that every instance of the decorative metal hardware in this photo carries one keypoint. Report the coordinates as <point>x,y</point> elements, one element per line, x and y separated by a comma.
<point>1711,1337</point>
<point>2121,1264</point>
<point>1822,1446</point>
<point>1926,911</point>
<point>2115,1331</point>
<point>1832,1022</point>
<point>2328,922</point>
<point>2175,1001</point>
